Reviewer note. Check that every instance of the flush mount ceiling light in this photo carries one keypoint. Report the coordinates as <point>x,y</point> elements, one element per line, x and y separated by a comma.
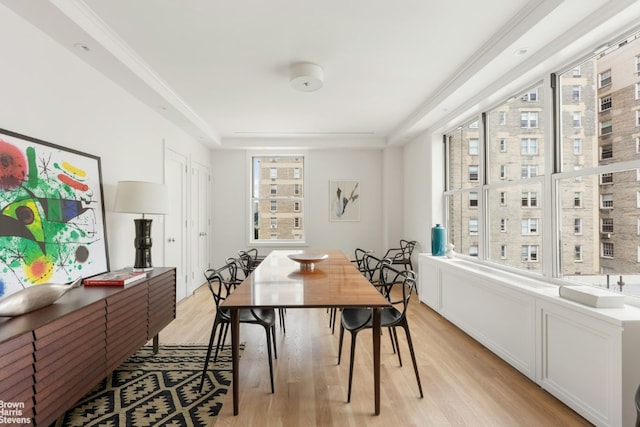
<point>306,77</point>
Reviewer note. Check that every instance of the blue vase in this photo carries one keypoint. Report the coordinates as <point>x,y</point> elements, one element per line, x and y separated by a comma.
<point>438,240</point>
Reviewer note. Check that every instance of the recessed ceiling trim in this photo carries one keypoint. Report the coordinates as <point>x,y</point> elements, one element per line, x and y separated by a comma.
<point>83,16</point>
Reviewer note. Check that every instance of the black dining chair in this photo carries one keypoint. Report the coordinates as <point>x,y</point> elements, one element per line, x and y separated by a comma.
<point>250,258</point>
<point>397,286</point>
<point>402,255</point>
<point>248,261</point>
<point>221,283</point>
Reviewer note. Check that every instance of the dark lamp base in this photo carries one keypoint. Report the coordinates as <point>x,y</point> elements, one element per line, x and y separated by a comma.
<point>142,244</point>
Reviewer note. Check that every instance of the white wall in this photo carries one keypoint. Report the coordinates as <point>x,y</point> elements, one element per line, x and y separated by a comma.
<point>423,183</point>
<point>230,195</point>
<point>50,94</point>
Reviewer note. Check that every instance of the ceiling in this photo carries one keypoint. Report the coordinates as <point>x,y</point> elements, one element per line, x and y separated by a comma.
<point>220,69</point>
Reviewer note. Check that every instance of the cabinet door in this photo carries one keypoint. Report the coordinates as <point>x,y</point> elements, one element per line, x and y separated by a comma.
<point>16,372</point>
<point>69,345</point>
<point>127,323</point>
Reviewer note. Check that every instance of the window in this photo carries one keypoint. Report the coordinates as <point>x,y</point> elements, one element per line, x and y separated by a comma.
<point>529,119</point>
<point>577,119</point>
<point>606,178</point>
<point>607,250</point>
<point>577,249</point>
<point>473,250</point>
<point>503,171</point>
<point>473,200</point>
<point>577,226</point>
<point>473,147</point>
<point>604,78</point>
<point>577,199</point>
<point>575,93</point>
<point>473,226</point>
<point>577,146</point>
<point>277,206</point>
<point>529,200</point>
<point>529,146</point>
<point>592,163</point>
<point>473,125</point>
<point>528,171</point>
<point>606,127</point>
<point>531,95</point>
<point>529,253</point>
<point>473,173</point>
<point>605,103</point>
<point>529,226</point>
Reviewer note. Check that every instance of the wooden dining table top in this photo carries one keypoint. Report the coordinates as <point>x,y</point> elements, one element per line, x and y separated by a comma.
<point>280,282</point>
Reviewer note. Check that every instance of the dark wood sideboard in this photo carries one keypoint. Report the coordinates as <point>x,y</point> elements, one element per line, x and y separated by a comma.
<point>52,357</point>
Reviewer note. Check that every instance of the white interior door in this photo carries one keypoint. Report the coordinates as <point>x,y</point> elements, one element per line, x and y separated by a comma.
<point>200,190</point>
<point>176,233</point>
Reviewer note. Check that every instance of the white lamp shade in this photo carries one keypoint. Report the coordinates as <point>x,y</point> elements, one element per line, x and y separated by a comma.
<point>142,197</point>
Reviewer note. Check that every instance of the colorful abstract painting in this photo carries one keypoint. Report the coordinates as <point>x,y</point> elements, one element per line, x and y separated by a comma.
<point>51,214</point>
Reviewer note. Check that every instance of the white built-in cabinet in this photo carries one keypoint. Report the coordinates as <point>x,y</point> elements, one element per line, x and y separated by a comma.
<point>588,358</point>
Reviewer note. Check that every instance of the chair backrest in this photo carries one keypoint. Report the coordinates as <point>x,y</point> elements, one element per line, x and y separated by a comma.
<point>222,281</point>
<point>249,259</point>
<point>359,258</point>
<point>391,279</point>
<point>407,247</point>
<point>242,271</point>
<point>372,266</point>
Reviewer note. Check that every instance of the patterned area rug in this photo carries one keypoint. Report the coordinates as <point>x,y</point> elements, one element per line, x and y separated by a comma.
<point>156,390</point>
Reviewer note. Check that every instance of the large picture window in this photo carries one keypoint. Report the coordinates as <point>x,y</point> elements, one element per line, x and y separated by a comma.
<point>277,199</point>
<point>580,171</point>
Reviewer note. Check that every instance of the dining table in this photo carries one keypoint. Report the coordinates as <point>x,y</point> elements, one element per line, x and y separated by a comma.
<point>318,279</point>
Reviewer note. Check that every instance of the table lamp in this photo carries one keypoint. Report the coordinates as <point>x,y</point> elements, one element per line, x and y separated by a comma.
<point>142,198</point>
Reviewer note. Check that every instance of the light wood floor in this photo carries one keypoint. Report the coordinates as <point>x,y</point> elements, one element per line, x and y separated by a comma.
<point>463,382</point>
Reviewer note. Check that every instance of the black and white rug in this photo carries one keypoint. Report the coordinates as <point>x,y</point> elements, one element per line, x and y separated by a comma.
<point>156,390</point>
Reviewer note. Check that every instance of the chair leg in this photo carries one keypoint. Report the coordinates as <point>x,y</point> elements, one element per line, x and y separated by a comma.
<point>266,329</point>
<point>283,326</point>
<point>206,359</point>
<point>395,339</point>
<point>413,356</point>
<point>222,337</point>
<point>354,334</point>
<point>275,350</point>
<point>340,343</point>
